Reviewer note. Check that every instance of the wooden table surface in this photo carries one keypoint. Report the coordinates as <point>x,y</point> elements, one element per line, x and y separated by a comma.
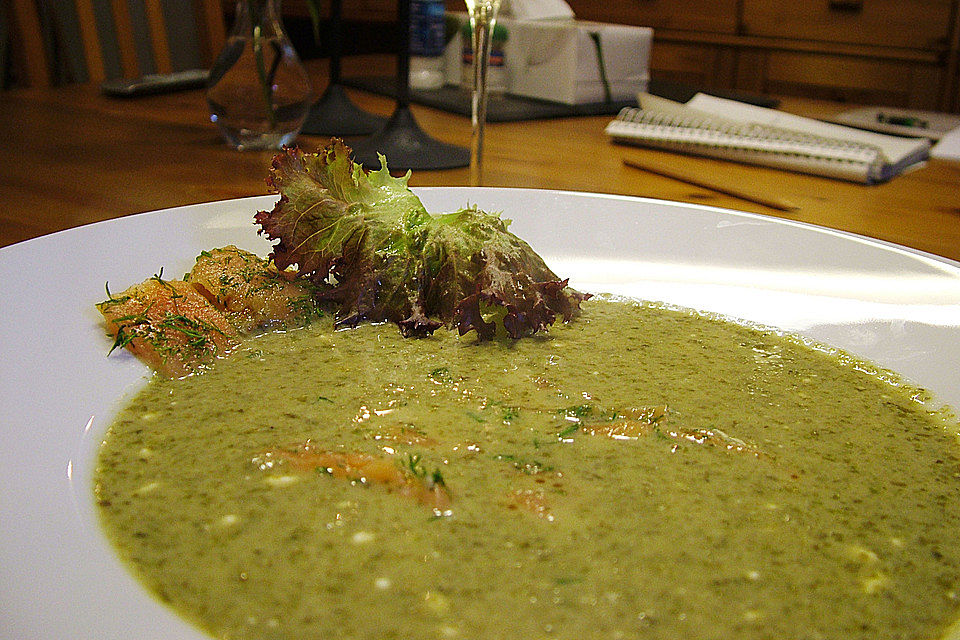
<point>69,156</point>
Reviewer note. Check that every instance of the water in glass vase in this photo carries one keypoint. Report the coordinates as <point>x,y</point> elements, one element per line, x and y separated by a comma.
<point>259,92</point>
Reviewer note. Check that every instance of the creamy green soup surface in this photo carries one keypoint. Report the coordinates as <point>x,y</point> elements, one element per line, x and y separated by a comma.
<point>641,472</point>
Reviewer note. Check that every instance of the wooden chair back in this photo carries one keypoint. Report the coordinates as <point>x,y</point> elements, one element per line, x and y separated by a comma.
<point>208,14</point>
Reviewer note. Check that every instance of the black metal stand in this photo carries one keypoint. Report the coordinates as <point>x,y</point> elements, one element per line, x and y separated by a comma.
<point>402,141</point>
<point>333,114</point>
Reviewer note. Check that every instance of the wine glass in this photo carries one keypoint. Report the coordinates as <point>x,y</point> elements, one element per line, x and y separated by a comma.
<point>483,18</point>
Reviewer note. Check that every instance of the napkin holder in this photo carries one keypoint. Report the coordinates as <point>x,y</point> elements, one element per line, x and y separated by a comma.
<point>559,60</point>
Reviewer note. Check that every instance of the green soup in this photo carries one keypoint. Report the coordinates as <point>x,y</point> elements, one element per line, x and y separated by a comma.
<point>639,473</point>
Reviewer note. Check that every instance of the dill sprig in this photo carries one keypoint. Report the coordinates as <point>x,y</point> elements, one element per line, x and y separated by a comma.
<point>414,464</point>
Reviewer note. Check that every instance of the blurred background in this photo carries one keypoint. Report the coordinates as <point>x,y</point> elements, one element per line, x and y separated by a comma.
<point>901,53</point>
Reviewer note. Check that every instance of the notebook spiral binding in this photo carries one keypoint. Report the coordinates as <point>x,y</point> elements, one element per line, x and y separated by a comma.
<point>719,128</point>
<point>752,137</point>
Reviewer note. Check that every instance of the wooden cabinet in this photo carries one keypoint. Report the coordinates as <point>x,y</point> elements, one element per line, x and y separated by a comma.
<point>910,24</point>
<point>711,16</point>
<point>890,52</point>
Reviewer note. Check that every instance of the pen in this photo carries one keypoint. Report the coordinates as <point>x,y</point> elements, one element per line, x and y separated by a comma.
<point>766,201</point>
<point>902,121</point>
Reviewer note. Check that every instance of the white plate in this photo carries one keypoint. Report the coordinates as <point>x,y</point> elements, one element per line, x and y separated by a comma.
<point>59,578</point>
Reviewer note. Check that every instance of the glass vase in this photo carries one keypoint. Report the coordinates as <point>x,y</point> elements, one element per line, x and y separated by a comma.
<point>258,91</point>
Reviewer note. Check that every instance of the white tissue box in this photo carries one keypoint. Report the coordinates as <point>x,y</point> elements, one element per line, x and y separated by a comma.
<point>557,60</point>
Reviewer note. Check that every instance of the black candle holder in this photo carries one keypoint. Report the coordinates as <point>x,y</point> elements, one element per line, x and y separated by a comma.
<point>401,140</point>
<point>334,114</point>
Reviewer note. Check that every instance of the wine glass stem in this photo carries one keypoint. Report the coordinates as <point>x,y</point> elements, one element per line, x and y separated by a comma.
<point>482,20</point>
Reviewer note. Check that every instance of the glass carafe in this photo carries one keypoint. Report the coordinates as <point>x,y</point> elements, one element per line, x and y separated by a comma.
<point>258,91</point>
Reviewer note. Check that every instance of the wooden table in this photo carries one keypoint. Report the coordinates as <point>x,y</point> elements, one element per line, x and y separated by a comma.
<point>69,156</point>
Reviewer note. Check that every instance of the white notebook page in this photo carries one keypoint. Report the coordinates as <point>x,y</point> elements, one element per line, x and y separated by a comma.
<point>894,148</point>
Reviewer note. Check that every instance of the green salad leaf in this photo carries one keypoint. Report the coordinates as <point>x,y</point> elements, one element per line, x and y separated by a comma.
<point>375,252</point>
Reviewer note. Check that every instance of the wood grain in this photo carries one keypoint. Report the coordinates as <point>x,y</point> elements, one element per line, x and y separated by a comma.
<point>718,185</point>
<point>70,156</point>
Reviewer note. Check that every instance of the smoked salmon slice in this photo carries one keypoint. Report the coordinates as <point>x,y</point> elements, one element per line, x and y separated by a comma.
<point>168,325</point>
<point>251,291</point>
<point>410,481</point>
<point>180,326</point>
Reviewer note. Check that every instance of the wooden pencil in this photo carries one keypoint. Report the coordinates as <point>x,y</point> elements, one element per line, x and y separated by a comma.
<point>696,181</point>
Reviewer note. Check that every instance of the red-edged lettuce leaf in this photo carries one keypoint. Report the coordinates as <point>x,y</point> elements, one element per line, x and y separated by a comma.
<point>372,249</point>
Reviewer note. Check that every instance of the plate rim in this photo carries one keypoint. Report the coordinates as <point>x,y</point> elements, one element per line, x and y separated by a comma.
<point>11,252</point>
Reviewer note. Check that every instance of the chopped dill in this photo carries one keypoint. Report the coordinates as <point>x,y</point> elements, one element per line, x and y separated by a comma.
<point>441,375</point>
<point>577,412</point>
<point>507,413</point>
<point>122,340</point>
<point>414,464</point>
<point>527,466</point>
<point>566,432</point>
<point>305,309</point>
<point>658,432</point>
<point>510,414</point>
<point>111,300</point>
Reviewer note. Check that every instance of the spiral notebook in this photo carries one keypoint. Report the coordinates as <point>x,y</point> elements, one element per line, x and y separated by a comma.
<point>731,130</point>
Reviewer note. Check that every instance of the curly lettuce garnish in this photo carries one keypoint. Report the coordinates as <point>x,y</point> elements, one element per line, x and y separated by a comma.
<point>372,248</point>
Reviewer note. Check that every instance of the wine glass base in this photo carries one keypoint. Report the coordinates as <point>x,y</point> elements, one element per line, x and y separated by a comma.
<point>334,114</point>
<point>406,146</point>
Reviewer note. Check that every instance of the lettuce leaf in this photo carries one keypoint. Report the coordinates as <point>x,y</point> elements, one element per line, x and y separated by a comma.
<point>375,252</point>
